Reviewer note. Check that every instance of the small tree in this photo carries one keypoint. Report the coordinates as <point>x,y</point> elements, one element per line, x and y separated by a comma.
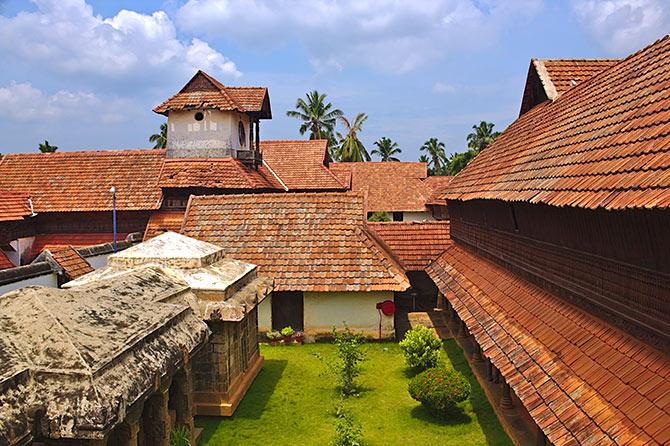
<point>160,139</point>
<point>421,348</point>
<point>46,147</point>
<point>347,431</point>
<point>350,355</point>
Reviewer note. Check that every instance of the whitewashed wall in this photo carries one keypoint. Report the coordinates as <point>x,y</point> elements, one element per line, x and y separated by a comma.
<point>218,131</point>
<point>48,280</point>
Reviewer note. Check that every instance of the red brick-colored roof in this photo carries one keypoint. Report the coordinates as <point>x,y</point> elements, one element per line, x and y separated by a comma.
<point>566,73</point>
<point>390,186</point>
<point>14,206</point>
<point>581,379</point>
<point>217,173</point>
<point>54,242</point>
<point>437,185</point>
<point>163,221</point>
<point>72,263</point>
<point>414,244</point>
<point>605,143</point>
<point>5,263</point>
<point>305,241</point>
<point>301,164</point>
<point>80,181</point>
<point>205,92</point>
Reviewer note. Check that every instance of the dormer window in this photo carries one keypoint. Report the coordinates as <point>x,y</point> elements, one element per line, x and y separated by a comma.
<point>242,134</point>
<point>199,116</point>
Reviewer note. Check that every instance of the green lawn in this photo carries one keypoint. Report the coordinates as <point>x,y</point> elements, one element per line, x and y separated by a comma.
<point>291,403</point>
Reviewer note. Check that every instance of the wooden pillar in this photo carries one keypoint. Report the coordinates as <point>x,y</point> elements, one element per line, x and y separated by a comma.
<point>496,375</point>
<point>258,135</point>
<point>251,135</point>
<point>477,353</point>
<point>489,370</point>
<point>506,398</point>
<point>462,330</point>
<point>540,439</point>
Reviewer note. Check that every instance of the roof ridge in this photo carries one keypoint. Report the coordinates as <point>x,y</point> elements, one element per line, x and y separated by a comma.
<point>383,253</point>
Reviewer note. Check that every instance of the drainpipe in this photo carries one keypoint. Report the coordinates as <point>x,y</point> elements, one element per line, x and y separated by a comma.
<point>113,192</point>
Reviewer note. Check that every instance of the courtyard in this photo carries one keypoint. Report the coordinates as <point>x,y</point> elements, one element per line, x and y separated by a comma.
<point>294,397</point>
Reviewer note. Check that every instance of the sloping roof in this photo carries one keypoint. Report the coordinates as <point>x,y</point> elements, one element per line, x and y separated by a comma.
<point>414,244</point>
<point>163,221</point>
<point>301,165</point>
<point>306,242</point>
<point>203,92</point>
<point>14,206</point>
<point>215,173</point>
<point>582,380</point>
<point>80,181</point>
<point>76,240</point>
<point>604,143</point>
<point>92,352</point>
<point>72,264</point>
<point>390,186</point>
<point>5,263</point>
<point>437,185</point>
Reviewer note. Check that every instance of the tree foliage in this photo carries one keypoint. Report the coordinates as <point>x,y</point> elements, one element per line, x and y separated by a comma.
<point>350,355</point>
<point>481,136</point>
<point>351,148</point>
<point>421,348</point>
<point>386,149</point>
<point>318,116</point>
<point>160,139</point>
<point>434,150</point>
<point>45,147</point>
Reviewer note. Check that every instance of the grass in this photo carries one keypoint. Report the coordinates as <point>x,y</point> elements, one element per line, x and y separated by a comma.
<point>293,398</point>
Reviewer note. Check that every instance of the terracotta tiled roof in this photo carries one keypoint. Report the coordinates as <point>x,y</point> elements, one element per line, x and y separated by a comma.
<point>14,206</point>
<point>55,242</point>
<point>301,164</point>
<point>414,244</point>
<point>72,263</point>
<point>582,380</point>
<point>205,92</point>
<point>163,221</point>
<point>217,173</point>
<point>5,263</point>
<point>306,242</point>
<point>390,186</point>
<point>566,73</point>
<point>604,143</point>
<point>438,186</point>
<point>80,181</point>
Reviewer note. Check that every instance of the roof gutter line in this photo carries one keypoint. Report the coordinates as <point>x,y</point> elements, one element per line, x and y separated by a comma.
<point>275,175</point>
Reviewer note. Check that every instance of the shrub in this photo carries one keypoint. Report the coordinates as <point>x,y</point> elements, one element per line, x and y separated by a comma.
<point>180,436</point>
<point>347,431</point>
<point>421,348</point>
<point>287,332</point>
<point>273,335</point>
<point>439,390</point>
<point>350,356</point>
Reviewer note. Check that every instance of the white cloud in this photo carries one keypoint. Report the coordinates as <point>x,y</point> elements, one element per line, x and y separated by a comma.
<point>65,36</point>
<point>624,26</point>
<point>390,35</point>
<point>441,88</point>
<point>23,102</point>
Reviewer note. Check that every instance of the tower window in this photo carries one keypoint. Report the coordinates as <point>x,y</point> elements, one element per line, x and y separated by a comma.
<point>242,134</point>
<point>199,116</point>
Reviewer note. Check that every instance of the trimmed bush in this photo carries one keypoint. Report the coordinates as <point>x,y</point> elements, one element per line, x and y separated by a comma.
<point>439,390</point>
<point>421,348</point>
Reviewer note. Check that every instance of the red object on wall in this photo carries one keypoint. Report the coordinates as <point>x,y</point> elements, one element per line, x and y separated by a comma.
<point>387,307</point>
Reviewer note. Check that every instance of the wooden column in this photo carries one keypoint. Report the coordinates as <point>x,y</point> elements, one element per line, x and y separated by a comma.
<point>506,398</point>
<point>477,353</point>
<point>489,370</point>
<point>258,136</point>
<point>540,439</point>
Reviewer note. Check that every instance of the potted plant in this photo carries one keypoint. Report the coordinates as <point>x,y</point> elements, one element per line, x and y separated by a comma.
<point>273,337</point>
<point>287,333</point>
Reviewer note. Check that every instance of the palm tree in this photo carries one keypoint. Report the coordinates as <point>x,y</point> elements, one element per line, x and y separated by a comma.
<point>482,136</point>
<point>386,149</point>
<point>160,139</point>
<point>351,148</point>
<point>319,117</point>
<point>435,150</point>
<point>47,148</point>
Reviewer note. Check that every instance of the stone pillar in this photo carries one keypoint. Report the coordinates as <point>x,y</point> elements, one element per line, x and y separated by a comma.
<point>130,428</point>
<point>506,398</point>
<point>182,398</point>
<point>156,417</point>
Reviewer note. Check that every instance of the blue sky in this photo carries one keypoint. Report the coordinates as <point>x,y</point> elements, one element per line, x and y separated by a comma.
<point>85,75</point>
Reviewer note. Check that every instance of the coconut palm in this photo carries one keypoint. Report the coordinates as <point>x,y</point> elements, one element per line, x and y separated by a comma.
<point>351,148</point>
<point>386,149</point>
<point>318,117</point>
<point>435,151</point>
<point>160,139</point>
<point>482,136</point>
<point>46,147</point>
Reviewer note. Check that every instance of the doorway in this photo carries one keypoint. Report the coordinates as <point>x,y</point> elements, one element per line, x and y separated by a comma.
<point>288,310</point>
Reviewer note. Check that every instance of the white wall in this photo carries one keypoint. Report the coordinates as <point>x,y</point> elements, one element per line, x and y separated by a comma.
<point>417,216</point>
<point>98,261</point>
<point>212,136</point>
<point>48,280</point>
<point>265,315</point>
